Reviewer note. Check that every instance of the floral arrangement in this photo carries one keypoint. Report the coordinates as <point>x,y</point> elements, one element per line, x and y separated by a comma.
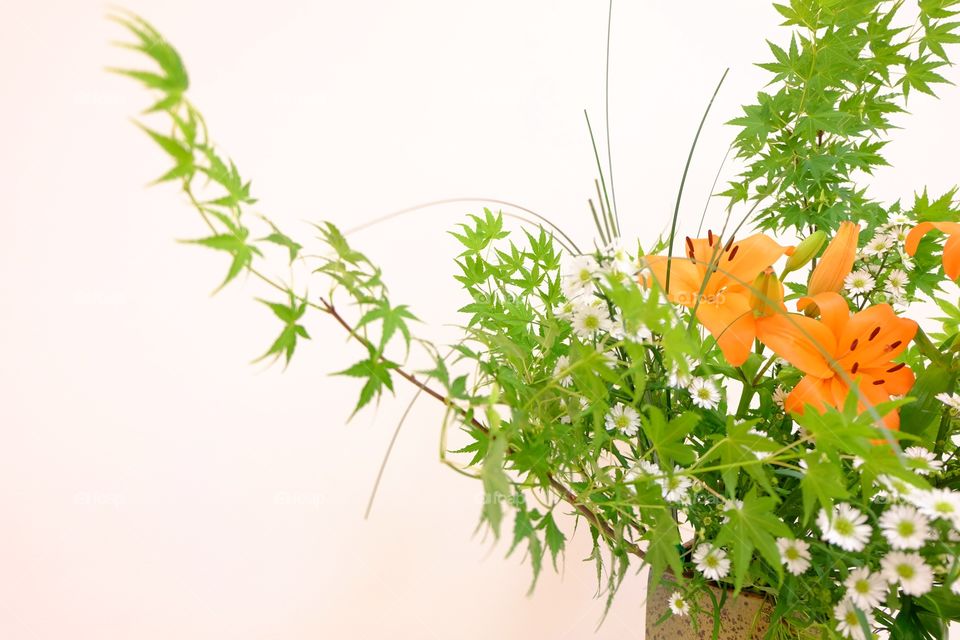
<point>756,411</point>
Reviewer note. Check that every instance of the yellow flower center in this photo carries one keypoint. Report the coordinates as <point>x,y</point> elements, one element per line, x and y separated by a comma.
<point>843,526</point>
<point>906,571</point>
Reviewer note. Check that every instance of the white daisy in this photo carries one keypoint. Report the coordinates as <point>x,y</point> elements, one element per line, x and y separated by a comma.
<point>616,329</point>
<point>795,554</point>
<point>620,260</point>
<point>681,377</point>
<point>895,298</point>
<point>923,461</point>
<point>678,605</point>
<point>904,527</point>
<point>878,244</point>
<point>899,219</point>
<point>952,400</point>
<point>955,587</point>
<point>859,282</point>
<point>914,576</point>
<point>674,486</point>
<point>711,562</point>
<point>578,278</point>
<point>866,590</point>
<point>637,332</point>
<point>780,397</point>
<point>897,280</point>
<point>562,369</point>
<point>896,487</point>
<point>848,622</point>
<point>565,310</point>
<point>899,235</point>
<point>906,260</point>
<point>643,468</point>
<point>588,319</point>
<point>938,503</point>
<point>848,528</point>
<point>623,418</point>
<point>704,393</point>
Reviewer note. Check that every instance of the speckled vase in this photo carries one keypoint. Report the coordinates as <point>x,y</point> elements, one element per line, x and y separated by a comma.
<point>746,617</point>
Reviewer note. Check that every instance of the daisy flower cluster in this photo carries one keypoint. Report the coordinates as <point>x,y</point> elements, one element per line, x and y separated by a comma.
<point>902,541</point>
<point>590,313</point>
<point>881,273</point>
<point>674,485</point>
<point>703,389</point>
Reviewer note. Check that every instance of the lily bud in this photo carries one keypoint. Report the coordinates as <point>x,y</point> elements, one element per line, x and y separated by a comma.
<point>837,261</point>
<point>766,294</point>
<point>806,251</point>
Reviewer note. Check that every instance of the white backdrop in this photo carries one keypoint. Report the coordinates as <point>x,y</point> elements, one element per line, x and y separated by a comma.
<point>154,484</point>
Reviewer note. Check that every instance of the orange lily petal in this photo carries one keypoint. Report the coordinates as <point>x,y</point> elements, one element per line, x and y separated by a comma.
<point>685,278</point>
<point>741,262</point>
<point>913,238</point>
<point>897,379</point>
<point>922,229</point>
<point>809,391</point>
<point>805,343</point>
<point>837,260</point>
<point>833,309</point>
<point>869,394</point>
<point>873,337</point>
<point>730,320</point>
<point>873,394</point>
<point>951,256</point>
<point>839,390</point>
<point>703,250</point>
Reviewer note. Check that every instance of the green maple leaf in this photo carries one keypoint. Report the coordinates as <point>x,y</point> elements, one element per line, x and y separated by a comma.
<point>173,80</point>
<point>822,483</point>
<point>668,438</point>
<point>238,191</point>
<point>737,450</point>
<point>920,74</point>
<point>554,537</point>
<point>376,371</point>
<point>286,342</point>
<point>234,243</point>
<point>180,152</point>
<point>663,550</point>
<point>392,319</point>
<point>753,526</point>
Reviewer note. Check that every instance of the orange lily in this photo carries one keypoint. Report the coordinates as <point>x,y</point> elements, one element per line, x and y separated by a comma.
<point>715,280</point>
<point>837,260</point>
<point>841,348</point>
<point>951,249</point>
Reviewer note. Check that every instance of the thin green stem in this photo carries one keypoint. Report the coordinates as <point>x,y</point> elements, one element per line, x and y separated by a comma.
<point>686,170</point>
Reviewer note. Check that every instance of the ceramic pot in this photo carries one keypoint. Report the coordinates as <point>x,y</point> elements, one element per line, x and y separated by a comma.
<point>744,617</point>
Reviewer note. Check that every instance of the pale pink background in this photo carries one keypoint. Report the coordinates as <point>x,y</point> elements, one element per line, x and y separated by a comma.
<point>153,483</point>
